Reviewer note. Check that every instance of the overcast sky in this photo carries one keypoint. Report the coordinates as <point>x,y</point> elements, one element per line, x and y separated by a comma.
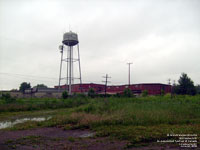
<point>160,37</point>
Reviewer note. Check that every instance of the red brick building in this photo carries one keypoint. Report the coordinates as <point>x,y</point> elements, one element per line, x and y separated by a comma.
<point>152,88</point>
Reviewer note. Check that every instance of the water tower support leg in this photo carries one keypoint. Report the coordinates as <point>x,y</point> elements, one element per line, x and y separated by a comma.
<point>60,68</point>
<point>72,66</point>
<point>70,69</point>
<point>67,79</point>
<point>79,67</point>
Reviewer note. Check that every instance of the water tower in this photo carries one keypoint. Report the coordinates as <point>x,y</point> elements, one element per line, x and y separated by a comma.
<point>70,44</point>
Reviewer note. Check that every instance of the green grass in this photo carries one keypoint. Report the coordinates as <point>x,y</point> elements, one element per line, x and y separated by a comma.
<point>145,134</point>
<point>71,139</point>
<point>33,141</point>
<point>138,120</point>
<point>40,104</point>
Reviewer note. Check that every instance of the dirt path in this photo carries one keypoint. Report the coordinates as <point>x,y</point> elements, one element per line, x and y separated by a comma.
<point>55,138</point>
<point>59,139</point>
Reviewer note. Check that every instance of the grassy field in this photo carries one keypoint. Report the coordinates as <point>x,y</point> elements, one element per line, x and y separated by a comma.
<point>138,120</point>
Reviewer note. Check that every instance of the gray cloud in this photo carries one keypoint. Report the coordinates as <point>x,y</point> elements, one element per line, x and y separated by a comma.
<point>161,38</point>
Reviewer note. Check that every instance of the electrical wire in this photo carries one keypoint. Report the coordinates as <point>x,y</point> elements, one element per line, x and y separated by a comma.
<point>17,74</point>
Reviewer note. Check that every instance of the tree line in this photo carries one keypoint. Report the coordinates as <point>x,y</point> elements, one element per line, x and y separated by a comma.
<point>24,86</point>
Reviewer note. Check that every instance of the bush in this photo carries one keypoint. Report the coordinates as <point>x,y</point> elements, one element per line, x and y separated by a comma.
<point>127,93</point>
<point>81,95</point>
<point>90,108</point>
<point>167,96</point>
<point>144,93</point>
<point>118,95</point>
<point>65,95</point>
<point>7,98</point>
<point>162,92</point>
<point>91,93</point>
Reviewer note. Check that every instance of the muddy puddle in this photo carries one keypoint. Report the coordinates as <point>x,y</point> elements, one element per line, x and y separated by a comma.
<point>87,135</point>
<point>7,124</point>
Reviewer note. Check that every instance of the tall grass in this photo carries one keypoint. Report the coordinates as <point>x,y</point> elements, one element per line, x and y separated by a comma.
<point>40,104</point>
<point>150,110</point>
<point>144,119</point>
<point>140,119</point>
<point>146,111</point>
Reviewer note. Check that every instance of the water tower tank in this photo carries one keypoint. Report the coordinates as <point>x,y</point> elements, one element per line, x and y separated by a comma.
<point>70,38</point>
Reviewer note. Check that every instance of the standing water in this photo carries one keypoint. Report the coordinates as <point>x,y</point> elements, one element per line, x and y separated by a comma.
<point>7,124</point>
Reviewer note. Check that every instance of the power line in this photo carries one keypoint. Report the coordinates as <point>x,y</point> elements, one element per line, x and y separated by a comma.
<point>8,76</point>
<point>22,75</point>
<point>41,78</point>
<point>169,81</point>
<point>47,79</point>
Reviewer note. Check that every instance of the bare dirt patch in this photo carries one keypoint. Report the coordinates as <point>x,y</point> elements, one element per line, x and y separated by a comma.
<point>57,138</point>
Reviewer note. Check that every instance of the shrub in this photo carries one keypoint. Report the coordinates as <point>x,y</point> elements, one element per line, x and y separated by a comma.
<point>81,95</point>
<point>117,95</point>
<point>167,96</point>
<point>65,95</point>
<point>7,98</point>
<point>89,108</point>
<point>91,93</point>
<point>127,93</point>
<point>162,92</point>
<point>71,139</point>
<point>144,93</point>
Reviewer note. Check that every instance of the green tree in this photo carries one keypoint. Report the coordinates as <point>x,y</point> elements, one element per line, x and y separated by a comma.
<point>127,92</point>
<point>24,86</point>
<point>198,89</point>
<point>185,85</point>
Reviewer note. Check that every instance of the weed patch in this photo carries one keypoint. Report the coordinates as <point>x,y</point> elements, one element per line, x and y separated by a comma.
<point>138,120</point>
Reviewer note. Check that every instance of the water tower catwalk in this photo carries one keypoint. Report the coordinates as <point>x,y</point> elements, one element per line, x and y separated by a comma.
<point>70,42</point>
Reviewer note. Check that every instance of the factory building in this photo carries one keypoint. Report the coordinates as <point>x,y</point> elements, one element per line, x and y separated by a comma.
<point>152,88</point>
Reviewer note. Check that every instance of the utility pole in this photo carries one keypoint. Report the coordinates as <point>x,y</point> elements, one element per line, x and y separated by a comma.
<point>129,73</point>
<point>106,82</point>
<point>169,81</point>
<point>174,82</point>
